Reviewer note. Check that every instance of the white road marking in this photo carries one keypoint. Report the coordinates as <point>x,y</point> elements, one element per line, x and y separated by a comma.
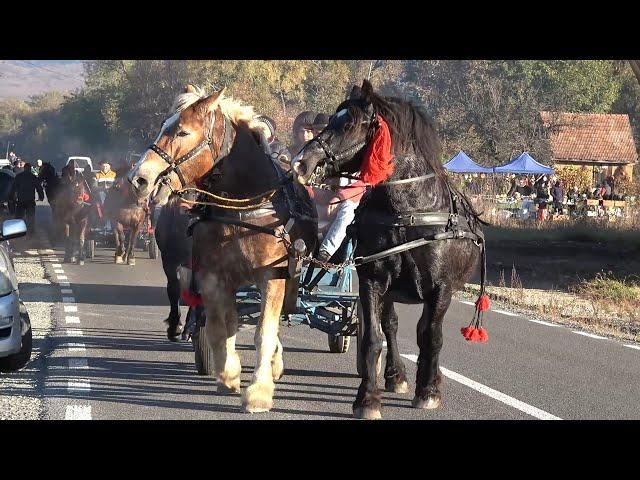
<point>78,363</point>
<point>78,412</point>
<point>68,299</point>
<point>71,319</point>
<point>79,386</point>
<point>64,284</point>
<point>66,290</point>
<point>77,347</point>
<point>468,303</point>
<point>591,335</point>
<point>637,347</point>
<point>542,322</point>
<point>58,270</point>
<point>495,394</point>
<point>70,308</point>
<point>63,277</point>
<point>74,332</point>
<point>56,265</point>
<point>48,250</point>
<point>505,313</point>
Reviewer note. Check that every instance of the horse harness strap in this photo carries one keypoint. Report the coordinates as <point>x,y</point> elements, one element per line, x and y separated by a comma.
<point>449,235</point>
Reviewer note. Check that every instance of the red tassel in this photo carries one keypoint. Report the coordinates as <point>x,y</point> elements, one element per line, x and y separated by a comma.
<point>483,303</point>
<point>378,164</point>
<point>191,299</point>
<point>99,208</point>
<point>466,332</point>
<point>483,336</point>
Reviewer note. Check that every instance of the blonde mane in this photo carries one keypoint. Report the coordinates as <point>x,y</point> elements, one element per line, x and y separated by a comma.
<point>234,110</point>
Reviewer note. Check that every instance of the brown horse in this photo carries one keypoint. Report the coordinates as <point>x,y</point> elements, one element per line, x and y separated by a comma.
<point>126,211</point>
<point>72,211</point>
<point>214,131</point>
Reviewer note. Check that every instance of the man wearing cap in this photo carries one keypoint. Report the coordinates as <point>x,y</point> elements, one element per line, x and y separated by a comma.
<point>277,150</point>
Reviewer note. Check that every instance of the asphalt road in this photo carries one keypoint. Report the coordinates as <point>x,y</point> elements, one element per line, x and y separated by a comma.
<point>110,359</point>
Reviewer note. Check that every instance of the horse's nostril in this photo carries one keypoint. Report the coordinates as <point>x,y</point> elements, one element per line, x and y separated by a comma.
<point>140,182</point>
<point>300,168</point>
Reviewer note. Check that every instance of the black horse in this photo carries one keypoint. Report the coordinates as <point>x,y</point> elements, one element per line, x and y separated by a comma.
<point>51,184</point>
<point>411,200</point>
<point>175,249</point>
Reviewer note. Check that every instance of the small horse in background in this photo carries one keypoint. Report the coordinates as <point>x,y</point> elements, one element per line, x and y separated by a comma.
<point>72,210</point>
<point>125,211</point>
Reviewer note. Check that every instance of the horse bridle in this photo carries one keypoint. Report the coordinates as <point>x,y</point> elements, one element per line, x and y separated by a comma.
<point>331,163</point>
<point>174,165</point>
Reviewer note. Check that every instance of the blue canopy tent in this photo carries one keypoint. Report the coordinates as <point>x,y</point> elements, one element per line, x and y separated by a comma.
<point>524,164</point>
<point>461,163</point>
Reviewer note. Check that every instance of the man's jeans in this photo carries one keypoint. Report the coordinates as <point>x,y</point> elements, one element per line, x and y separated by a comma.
<point>338,229</point>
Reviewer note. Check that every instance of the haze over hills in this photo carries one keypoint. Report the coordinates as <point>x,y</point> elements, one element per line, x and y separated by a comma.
<point>23,78</point>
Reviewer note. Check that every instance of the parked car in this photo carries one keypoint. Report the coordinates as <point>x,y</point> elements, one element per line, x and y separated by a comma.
<point>83,165</point>
<point>15,326</point>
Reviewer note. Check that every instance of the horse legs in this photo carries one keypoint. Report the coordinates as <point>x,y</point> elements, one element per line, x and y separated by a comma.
<point>220,330</point>
<point>82,228</point>
<point>68,243</point>
<point>395,374</point>
<point>369,398</point>
<point>173,292</point>
<point>133,236</point>
<point>258,396</point>
<point>119,233</point>
<point>429,378</point>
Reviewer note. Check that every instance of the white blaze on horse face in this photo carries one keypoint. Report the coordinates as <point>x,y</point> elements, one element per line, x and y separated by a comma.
<point>341,113</point>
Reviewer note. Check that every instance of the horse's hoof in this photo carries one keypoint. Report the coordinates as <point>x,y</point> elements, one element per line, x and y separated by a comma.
<point>258,398</point>
<point>367,413</point>
<point>175,338</point>
<point>119,260</point>
<point>277,368</point>
<point>429,403</point>
<point>229,389</point>
<point>396,387</point>
<point>80,262</point>
<point>131,261</point>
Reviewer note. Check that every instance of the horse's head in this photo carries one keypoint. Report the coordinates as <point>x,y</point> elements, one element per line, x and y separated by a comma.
<point>341,145</point>
<point>189,144</point>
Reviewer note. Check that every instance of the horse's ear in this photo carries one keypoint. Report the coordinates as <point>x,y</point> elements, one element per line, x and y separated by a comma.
<point>211,102</point>
<point>189,89</point>
<point>367,89</point>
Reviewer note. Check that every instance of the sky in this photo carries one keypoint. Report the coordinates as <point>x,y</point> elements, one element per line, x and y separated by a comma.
<point>23,78</point>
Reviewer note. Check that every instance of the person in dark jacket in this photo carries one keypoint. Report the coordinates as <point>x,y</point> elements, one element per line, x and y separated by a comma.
<point>557,192</point>
<point>25,187</point>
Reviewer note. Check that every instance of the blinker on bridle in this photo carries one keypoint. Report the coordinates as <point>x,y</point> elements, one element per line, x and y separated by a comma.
<point>174,165</point>
<point>331,163</point>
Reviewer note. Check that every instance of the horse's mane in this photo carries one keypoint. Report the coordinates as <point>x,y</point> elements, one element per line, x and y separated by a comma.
<point>412,129</point>
<point>235,110</point>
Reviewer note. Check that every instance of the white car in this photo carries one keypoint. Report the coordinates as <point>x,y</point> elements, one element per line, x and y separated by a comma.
<point>83,164</point>
<point>15,326</point>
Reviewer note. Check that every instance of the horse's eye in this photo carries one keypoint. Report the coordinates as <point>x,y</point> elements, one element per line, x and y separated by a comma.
<point>182,133</point>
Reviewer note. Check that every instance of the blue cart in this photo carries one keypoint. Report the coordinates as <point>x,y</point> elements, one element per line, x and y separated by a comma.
<point>331,306</point>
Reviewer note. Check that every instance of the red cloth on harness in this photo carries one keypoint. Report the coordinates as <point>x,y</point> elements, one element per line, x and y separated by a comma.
<point>378,161</point>
<point>84,197</point>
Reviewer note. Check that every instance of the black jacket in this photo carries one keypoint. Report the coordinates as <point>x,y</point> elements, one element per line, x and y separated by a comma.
<point>25,186</point>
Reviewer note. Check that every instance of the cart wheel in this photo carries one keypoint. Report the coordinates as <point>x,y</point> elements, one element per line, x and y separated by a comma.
<point>359,343</point>
<point>339,343</point>
<point>203,353</point>
<point>90,248</point>
<point>153,248</point>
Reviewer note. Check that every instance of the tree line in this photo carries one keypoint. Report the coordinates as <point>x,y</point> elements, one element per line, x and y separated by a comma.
<point>490,109</point>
